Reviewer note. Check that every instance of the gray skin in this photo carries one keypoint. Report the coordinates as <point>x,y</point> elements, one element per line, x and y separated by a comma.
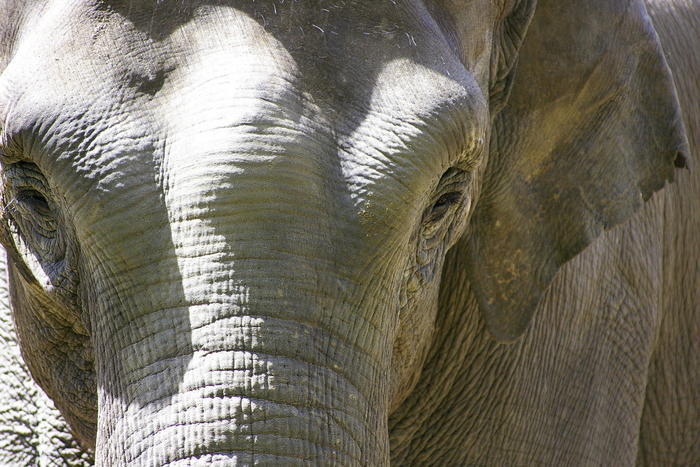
<point>266,232</point>
<point>32,431</point>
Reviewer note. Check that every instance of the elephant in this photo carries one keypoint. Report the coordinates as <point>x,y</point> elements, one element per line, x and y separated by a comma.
<point>352,232</point>
<point>33,431</point>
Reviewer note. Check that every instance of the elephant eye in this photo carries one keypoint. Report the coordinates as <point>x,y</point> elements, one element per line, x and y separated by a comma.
<point>35,231</point>
<point>443,205</point>
<point>33,199</point>
<point>449,196</point>
<point>449,193</point>
<point>25,186</point>
<point>28,208</point>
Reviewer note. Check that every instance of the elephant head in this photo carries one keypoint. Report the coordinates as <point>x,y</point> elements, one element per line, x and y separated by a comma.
<point>226,221</point>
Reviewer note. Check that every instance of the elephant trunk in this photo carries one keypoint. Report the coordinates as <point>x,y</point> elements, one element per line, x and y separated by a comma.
<point>271,383</point>
<point>224,326</point>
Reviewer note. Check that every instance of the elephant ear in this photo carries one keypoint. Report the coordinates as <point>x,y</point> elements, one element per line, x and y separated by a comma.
<point>508,38</point>
<point>591,129</point>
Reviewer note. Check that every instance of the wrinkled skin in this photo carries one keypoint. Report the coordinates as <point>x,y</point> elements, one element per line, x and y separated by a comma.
<point>33,431</point>
<point>271,232</point>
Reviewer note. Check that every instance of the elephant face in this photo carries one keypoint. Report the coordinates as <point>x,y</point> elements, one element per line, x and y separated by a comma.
<point>227,222</point>
<point>240,207</point>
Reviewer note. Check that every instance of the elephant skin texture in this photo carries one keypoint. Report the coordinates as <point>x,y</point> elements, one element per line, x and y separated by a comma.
<point>32,431</point>
<point>412,232</point>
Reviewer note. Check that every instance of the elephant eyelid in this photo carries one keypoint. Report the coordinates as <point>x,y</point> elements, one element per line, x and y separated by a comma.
<point>442,206</point>
<point>450,192</point>
<point>25,175</point>
<point>34,198</point>
<point>448,198</point>
<point>27,191</point>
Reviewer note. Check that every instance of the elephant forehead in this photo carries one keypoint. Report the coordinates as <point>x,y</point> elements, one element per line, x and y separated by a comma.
<point>370,96</point>
<point>236,103</point>
<point>316,74</point>
<point>383,73</point>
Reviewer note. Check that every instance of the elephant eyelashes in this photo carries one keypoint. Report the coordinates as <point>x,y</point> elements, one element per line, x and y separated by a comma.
<point>34,199</point>
<point>443,204</point>
<point>449,194</point>
<point>25,187</point>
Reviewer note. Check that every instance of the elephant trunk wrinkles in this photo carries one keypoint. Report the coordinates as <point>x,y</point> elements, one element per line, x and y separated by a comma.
<point>233,330</point>
<point>215,382</point>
